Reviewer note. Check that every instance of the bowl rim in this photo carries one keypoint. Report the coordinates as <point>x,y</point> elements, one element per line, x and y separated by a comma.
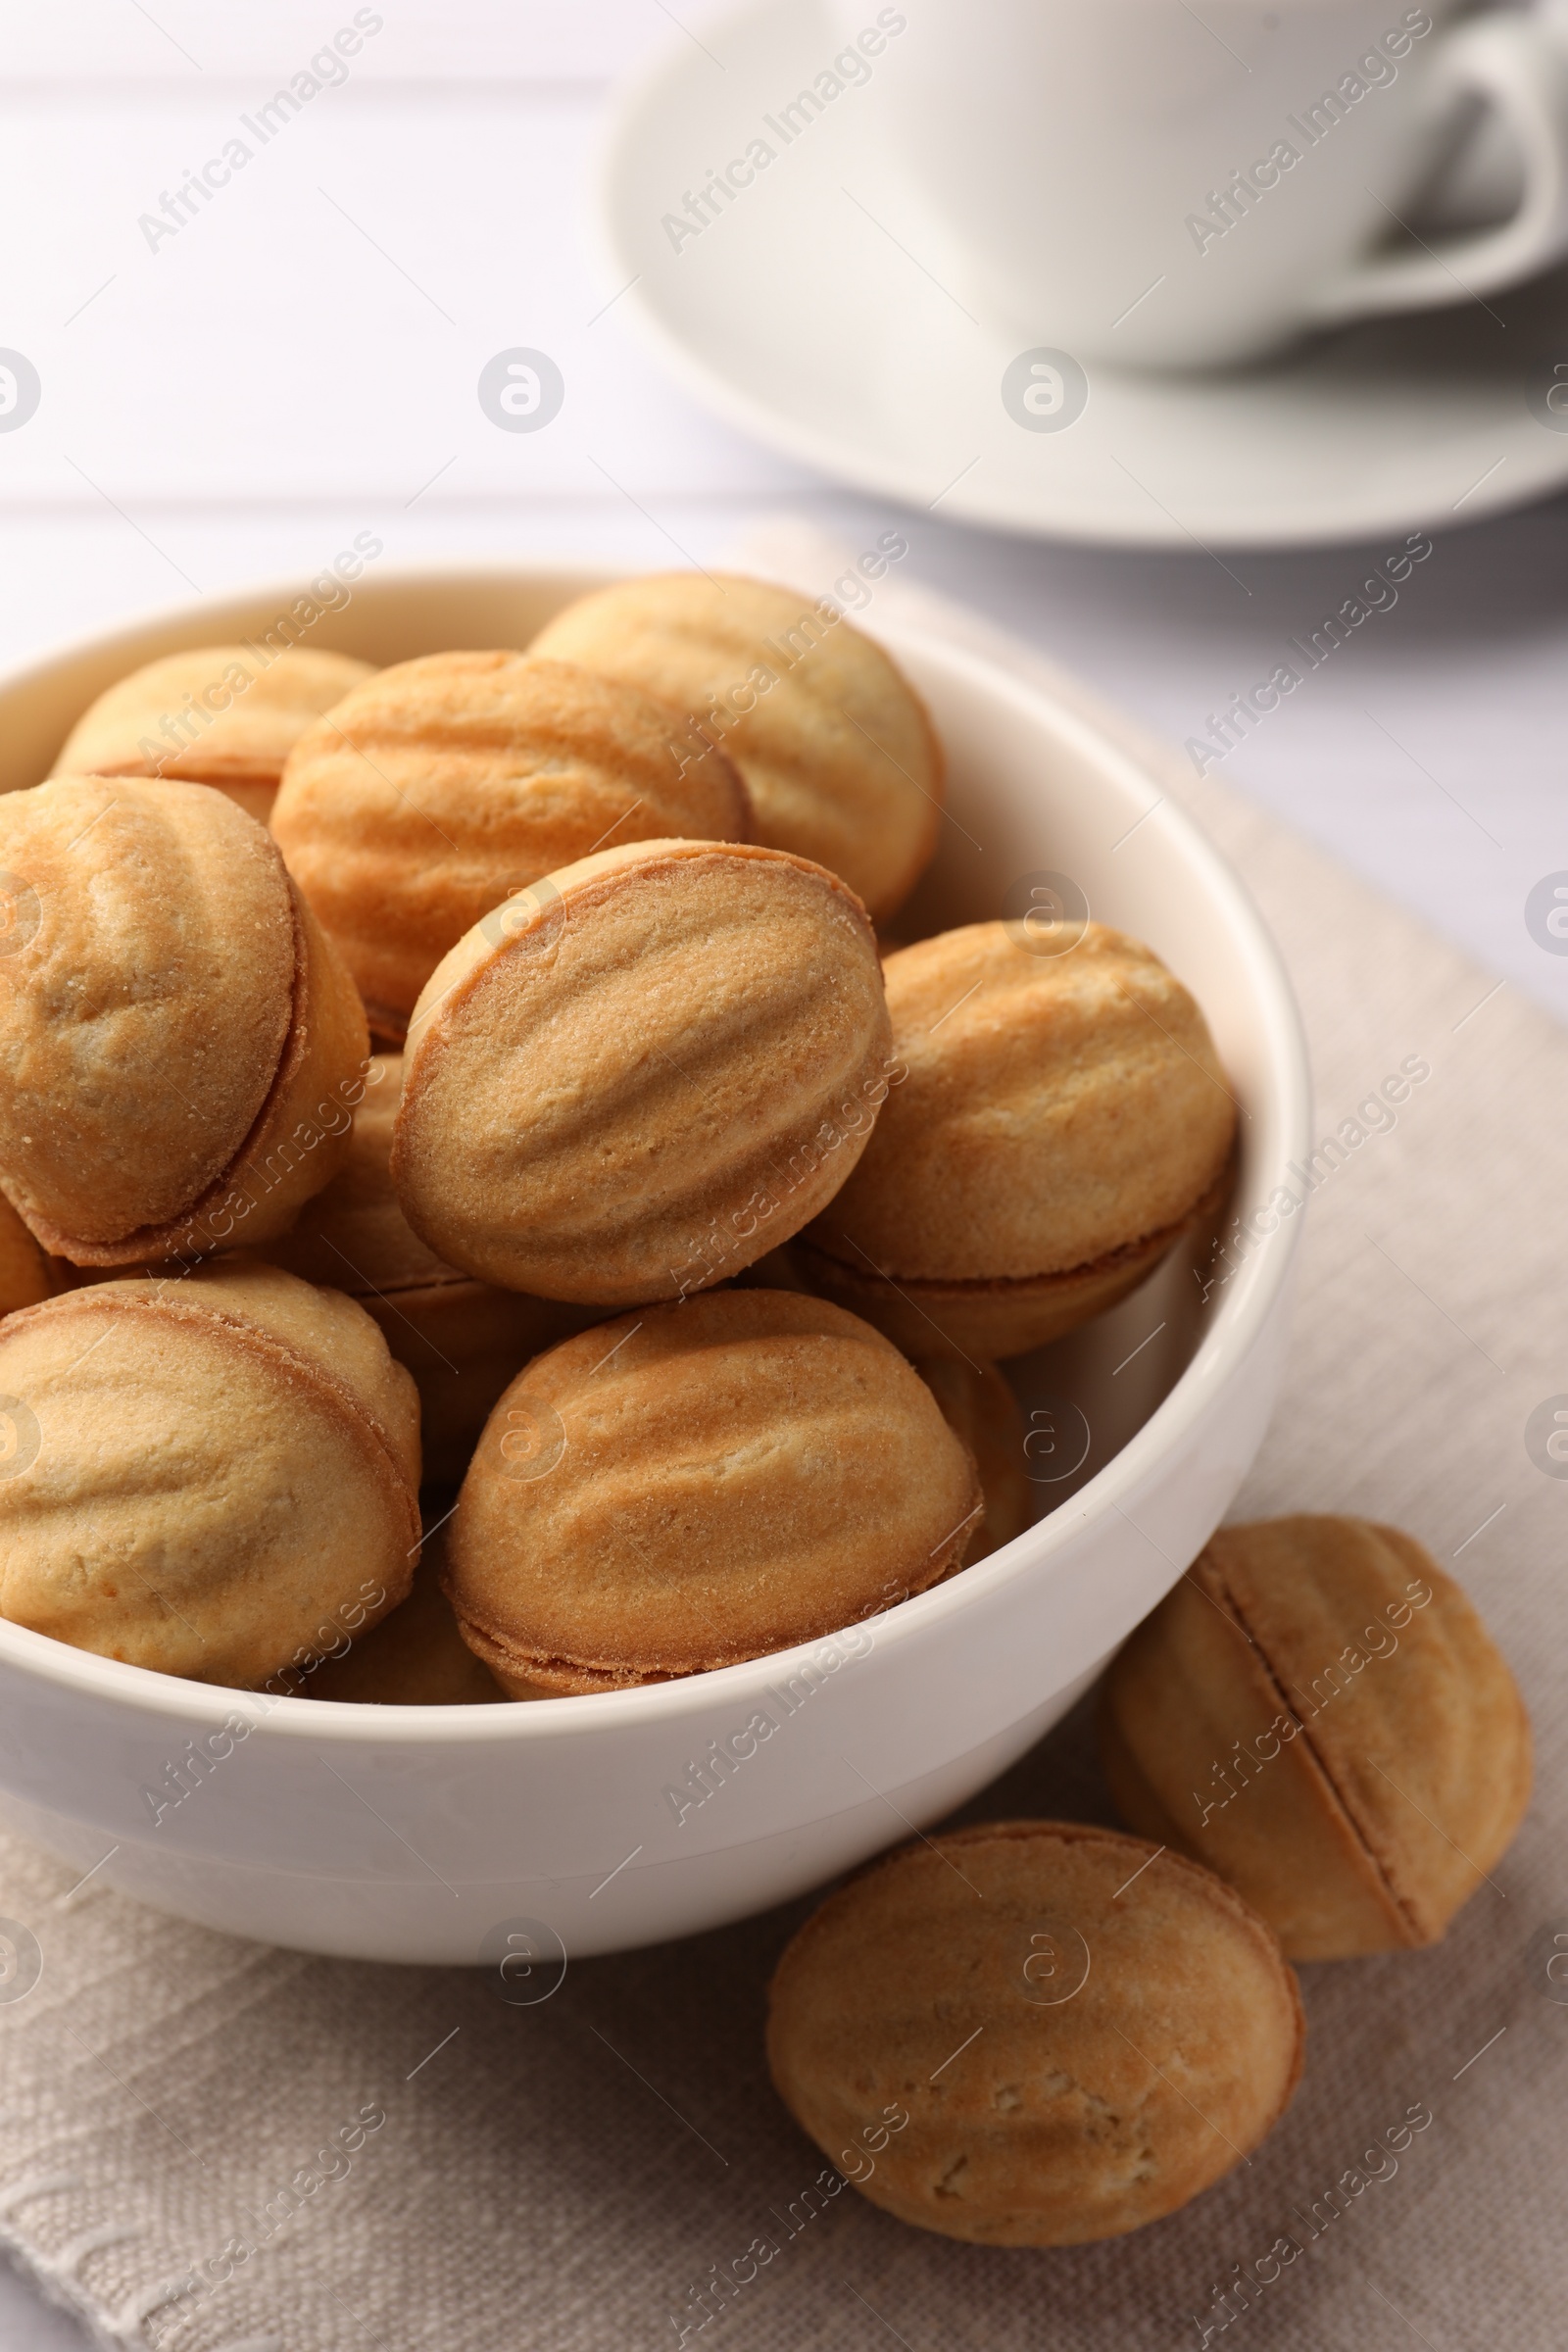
<point>1238,1324</point>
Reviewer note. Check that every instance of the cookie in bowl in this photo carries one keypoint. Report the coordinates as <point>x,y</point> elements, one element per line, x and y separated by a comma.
<point>222,714</point>
<point>978,1402</point>
<point>412,1657</point>
<point>446,784</point>
<point>698,1484</point>
<point>180,1047</point>
<point>461,1340</point>
<point>1034,2032</point>
<point>841,761</point>
<point>631,1081</point>
<point>202,1468</point>
<point>1055,1123</point>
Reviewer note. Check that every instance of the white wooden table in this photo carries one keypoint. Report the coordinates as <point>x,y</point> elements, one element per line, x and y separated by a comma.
<point>236,395</point>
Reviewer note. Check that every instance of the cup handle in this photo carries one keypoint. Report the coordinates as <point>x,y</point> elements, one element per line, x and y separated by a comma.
<point>1523,69</point>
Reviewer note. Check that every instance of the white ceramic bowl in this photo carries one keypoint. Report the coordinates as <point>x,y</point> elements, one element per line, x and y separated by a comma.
<point>420,1834</point>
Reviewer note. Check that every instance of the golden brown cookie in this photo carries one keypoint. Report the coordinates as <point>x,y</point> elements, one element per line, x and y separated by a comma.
<point>224,714</point>
<point>444,785</point>
<point>1317,1712</point>
<point>180,1044</point>
<point>638,1078</point>
<point>977,1401</point>
<point>198,1473</point>
<point>414,1657</point>
<point>842,762</point>
<point>1061,2038</point>
<point>461,1340</point>
<point>697,1484</point>
<point>1064,1118</point>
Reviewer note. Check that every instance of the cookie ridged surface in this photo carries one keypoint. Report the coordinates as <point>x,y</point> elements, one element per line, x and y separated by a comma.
<point>700,1483</point>
<point>1080,2037</point>
<point>445,784</point>
<point>637,1081</point>
<point>201,1471</point>
<point>223,715</point>
<point>1061,1117</point>
<point>1317,1712</point>
<point>839,757</point>
<point>171,1018</point>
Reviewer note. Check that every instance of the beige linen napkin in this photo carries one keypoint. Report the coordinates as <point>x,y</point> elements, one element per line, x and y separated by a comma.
<point>406,2162</point>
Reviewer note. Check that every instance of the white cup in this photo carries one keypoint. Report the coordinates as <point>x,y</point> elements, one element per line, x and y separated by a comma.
<point>1163,186</point>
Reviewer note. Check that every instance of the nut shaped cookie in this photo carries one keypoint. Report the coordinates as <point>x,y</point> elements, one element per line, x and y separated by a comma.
<point>224,714</point>
<point>413,1657</point>
<point>1034,2032</point>
<point>637,1078</point>
<point>1317,1713</point>
<point>179,1044</point>
<point>446,784</point>
<point>977,1402</point>
<point>461,1340</point>
<point>842,762</point>
<point>201,1469</point>
<point>698,1484</point>
<point>1062,1120</point>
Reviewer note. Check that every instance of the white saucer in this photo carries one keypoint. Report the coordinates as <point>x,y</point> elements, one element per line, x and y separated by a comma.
<point>802,314</point>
